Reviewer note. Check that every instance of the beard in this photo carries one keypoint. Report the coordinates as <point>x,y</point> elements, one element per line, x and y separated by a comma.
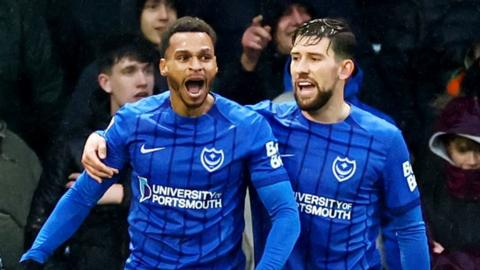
<point>311,105</point>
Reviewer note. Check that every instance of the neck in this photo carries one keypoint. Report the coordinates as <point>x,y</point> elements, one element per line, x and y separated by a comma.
<point>113,107</point>
<point>182,109</point>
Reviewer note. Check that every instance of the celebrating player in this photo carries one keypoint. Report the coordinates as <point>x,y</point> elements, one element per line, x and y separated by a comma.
<point>349,168</point>
<point>189,150</point>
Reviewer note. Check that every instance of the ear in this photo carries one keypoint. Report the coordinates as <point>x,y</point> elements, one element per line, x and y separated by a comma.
<point>104,82</point>
<point>163,67</point>
<point>346,69</point>
<point>216,65</point>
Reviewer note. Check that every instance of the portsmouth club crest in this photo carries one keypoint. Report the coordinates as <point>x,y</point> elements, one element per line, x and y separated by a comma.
<point>343,168</point>
<point>211,158</point>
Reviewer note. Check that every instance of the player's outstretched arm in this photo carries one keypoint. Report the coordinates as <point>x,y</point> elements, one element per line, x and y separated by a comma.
<point>280,203</point>
<point>94,152</point>
<point>65,219</point>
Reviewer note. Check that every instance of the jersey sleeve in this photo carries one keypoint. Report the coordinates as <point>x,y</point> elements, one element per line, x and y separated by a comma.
<point>66,218</point>
<point>117,138</point>
<point>401,192</point>
<point>265,164</point>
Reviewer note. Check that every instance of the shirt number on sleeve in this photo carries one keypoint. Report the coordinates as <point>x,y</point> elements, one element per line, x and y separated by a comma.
<point>408,174</point>
<point>272,152</point>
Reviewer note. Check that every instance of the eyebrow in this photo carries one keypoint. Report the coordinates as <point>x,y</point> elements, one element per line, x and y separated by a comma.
<point>309,53</point>
<point>204,50</point>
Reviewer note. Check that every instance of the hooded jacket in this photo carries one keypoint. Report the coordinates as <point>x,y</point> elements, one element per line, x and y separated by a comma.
<point>452,209</point>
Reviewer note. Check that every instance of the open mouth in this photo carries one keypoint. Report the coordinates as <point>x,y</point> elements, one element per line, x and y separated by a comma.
<point>305,86</point>
<point>194,86</point>
<point>141,95</point>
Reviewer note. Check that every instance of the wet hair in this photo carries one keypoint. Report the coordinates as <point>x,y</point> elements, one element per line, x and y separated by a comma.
<point>342,39</point>
<point>119,47</point>
<point>186,24</point>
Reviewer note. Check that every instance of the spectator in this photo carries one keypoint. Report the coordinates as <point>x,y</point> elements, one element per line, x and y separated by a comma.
<point>152,18</point>
<point>394,31</point>
<point>451,181</point>
<point>262,72</point>
<point>30,80</point>
<point>155,16</point>
<point>125,75</point>
<point>19,173</point>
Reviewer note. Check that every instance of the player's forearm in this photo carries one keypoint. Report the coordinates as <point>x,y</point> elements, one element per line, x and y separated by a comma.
<point>65,219</point>
<point>282,208</point>
<point>412,240</point>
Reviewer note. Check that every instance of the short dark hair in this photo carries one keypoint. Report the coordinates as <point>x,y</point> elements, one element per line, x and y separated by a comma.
<point>123,46</point>
<point>342,39</point>
<point>186,24</point>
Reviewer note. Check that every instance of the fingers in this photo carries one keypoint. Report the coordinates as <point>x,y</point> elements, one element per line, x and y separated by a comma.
<point>98,175</point>
<point>73,176</point>
<point>256,36</point>
<point>96,169</point>
<point>69,184</point>
<point>95,150</point>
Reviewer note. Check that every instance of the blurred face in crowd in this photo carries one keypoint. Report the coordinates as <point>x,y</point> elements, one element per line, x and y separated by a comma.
<point>190,66</point>
<point>293,17</point>
<point>128,81</point>
<point>314,71</point>
<point>465,153</point>
<point>156,16</point>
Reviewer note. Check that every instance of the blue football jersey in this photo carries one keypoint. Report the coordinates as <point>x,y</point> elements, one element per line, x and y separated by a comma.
<point>189,179</point>
<point>345,176</point>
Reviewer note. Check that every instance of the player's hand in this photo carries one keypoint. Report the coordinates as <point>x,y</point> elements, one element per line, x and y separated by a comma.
<point>254,40</point>
<point>96,149</point>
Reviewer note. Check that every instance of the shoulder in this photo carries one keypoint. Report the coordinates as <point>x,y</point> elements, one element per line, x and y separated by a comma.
<point>235,112</point>
<point>374,126</point>
<point>145,105</point>
<point>268,108</point>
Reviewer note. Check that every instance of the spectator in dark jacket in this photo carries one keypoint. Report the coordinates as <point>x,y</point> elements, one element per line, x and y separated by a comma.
<point>30,80</point>
<point>262,72</point>
<point>451,184</point>
<point>151,19</point>
<point>19,173</point>
<point>125,75</point>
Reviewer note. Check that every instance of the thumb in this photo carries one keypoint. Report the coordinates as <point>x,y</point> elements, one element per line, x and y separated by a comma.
<point>257,20</point>
<point>102,150</point>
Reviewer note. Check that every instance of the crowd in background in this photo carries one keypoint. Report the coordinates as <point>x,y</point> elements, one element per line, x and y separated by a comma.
<point>417,67</point>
